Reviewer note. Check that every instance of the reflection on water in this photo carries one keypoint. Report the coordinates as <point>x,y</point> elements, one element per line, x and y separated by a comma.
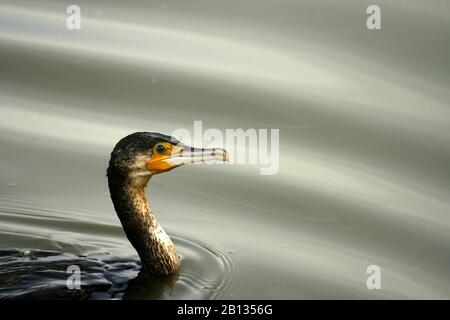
<point>364,146</point>
<point>29,274</point>
<point>42,274</point>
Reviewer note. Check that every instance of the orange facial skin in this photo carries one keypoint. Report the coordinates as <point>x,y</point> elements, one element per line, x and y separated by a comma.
<point>158,162</point>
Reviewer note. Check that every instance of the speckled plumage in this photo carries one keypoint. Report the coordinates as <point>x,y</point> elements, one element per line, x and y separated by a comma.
<point>127,181</point>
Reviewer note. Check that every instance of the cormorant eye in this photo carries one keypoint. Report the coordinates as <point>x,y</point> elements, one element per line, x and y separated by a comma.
<point>160,148</point>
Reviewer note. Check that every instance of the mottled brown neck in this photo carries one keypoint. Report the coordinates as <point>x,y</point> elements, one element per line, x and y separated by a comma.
<point>155,248</point>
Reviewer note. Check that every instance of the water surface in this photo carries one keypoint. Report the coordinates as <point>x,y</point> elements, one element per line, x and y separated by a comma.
<point>364,125</point>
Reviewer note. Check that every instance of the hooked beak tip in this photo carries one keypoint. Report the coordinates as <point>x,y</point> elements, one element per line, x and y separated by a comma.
<point>221,154</point>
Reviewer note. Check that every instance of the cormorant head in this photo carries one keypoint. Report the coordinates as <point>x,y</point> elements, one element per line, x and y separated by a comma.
<point>140,155</point>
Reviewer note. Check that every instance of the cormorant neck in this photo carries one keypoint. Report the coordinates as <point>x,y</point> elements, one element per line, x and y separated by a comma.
<point>155,248</point>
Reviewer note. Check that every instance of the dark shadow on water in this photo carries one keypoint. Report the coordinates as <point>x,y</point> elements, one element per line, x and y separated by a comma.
<point>145,286</point>
<point>39,274</point>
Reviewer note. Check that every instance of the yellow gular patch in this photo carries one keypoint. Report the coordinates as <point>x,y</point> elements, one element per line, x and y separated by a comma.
<point>161,152</point>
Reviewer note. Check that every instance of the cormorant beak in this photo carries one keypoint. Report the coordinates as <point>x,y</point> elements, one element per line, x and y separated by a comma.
<point>178,155</point>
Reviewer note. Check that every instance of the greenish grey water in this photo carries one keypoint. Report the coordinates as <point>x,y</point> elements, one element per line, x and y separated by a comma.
<point>364,124</point>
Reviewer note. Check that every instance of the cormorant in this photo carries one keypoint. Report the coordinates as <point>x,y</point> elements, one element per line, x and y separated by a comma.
<point>134,160</point>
